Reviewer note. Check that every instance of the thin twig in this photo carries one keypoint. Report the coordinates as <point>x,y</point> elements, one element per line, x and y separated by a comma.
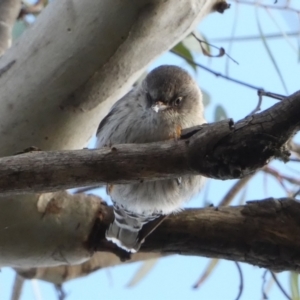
<point>296,194</point>
<point>280,176</point>
<point>272,95</point>
<point>262,93</point>
<point>260,5</point>
<point>234,190</point>
<point>263,285</point>
<point>221,50</point>
<point>61,294</point>
<point>17,287</point>
<point>258,106</point>
<point>207,272</point>
<point>255,37</point>
<point>267,94</point>
<point>280,286</point>
<point>241,287</point>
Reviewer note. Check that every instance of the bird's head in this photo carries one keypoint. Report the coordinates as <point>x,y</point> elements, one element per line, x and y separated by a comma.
<point>171,89</point>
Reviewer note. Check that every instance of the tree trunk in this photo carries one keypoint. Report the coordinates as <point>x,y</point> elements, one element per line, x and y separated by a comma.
<point>56,83</point>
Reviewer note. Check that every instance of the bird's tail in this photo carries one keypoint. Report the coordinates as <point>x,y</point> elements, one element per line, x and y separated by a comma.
<point>125,230</point>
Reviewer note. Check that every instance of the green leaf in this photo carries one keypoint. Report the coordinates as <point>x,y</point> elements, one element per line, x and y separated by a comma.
<point>220,113</point>
<point>184,51</point>
<point>205,98</point>
<point>269,51</point>
<point>207,272</point>
<point>145,268</point>
<point>294,286</point>
<point>191,43</point>
<point>19,27</point>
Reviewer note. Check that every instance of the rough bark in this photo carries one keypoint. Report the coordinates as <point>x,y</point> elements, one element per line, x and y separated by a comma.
<point>263,233</point>
<point>9,10</point>
<point>221,150</point>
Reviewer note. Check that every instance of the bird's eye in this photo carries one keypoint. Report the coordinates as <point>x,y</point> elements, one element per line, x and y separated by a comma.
<point>177,101</point>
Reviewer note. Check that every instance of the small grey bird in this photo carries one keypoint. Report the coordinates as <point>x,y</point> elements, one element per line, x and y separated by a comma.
<point>167,101</point>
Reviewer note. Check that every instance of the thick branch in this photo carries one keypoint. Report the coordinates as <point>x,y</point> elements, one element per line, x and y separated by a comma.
<point>222,150</point>
<point>263,233</point>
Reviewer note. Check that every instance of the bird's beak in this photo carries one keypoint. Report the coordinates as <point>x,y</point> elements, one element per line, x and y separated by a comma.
<point>159,106</point>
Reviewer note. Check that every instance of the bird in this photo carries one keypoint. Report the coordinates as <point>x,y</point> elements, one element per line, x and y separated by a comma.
<point>165,102</point>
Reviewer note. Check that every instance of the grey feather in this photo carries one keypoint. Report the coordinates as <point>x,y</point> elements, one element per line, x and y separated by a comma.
<point>132,120</point>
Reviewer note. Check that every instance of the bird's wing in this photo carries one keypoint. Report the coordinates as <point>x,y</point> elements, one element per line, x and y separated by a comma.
<point>106,132</point>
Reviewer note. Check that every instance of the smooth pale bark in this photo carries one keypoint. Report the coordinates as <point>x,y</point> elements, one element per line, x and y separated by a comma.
<point>46,229</point>
<point>56,83</point>
<point>77,59</point>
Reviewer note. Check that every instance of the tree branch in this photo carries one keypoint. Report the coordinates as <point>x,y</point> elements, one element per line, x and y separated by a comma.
<point>221,150</point>
<point>263,233</point>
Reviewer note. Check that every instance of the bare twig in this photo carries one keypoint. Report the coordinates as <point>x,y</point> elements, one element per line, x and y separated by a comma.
<point>61,294</point>
<point>280,176</point>
<point>221,50</point>
<point>258,106</point>
<point>263,285</point>
<point>255,37</point>
<point>296,194</point>
<point>17,287</point>
<point>208,270</point>
<point>280,286</point>
<point>275,7</point>
<point>241,287</point>
<point>262,93</point>
<point>234,190</point>
<point>259,89</point>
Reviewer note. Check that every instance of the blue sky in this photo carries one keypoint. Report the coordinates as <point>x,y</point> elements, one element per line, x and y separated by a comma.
<point>173,277</point>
